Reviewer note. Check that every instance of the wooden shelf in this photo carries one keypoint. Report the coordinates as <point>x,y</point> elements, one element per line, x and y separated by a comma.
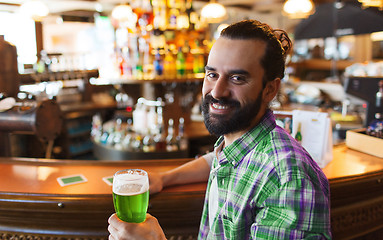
<point>110,81</point>
<point>32,78</point>
<point>322,64</point>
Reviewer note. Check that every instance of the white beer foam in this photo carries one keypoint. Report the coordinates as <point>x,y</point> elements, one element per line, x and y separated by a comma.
<point>127,184</point>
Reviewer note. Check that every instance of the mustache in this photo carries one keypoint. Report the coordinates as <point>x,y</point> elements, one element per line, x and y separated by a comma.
<point>208,99</point>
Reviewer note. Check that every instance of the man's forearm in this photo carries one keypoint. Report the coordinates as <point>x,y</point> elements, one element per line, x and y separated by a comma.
<point>195,171</point>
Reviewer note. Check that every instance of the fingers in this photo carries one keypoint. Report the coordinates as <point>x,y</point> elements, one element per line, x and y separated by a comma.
<point>149,229</point>
<point>115,227</point>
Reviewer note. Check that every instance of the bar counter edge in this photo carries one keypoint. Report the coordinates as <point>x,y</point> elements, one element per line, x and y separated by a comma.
<point>31,211</point>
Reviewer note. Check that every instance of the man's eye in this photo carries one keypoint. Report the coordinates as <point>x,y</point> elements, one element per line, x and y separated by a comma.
<point>238,79</point>
<point>211,75</point>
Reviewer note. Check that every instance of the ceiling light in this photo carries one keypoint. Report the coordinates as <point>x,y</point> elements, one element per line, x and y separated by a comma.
<point>35,9</point>
<point>372,3</point>
<point>298,8</point>
<point>98,7</point>
<point>213,12</point>
<point>124,15</point>
<point>122,12</point>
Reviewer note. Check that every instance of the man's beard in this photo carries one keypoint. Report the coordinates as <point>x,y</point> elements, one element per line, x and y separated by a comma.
<point>240,119</point>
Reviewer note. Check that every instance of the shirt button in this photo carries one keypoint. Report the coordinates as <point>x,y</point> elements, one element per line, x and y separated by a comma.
<point>233,162</point>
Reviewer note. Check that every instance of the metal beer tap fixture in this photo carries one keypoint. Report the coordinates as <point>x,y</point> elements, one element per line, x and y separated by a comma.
<point>41,118</point>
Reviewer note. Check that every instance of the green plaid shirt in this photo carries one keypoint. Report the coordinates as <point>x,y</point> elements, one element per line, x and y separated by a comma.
<point>268,188</point>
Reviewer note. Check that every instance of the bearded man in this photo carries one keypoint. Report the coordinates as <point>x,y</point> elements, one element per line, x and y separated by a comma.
<point>262,184</point>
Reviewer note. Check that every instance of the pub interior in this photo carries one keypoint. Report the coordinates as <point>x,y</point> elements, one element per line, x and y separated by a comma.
<point>88,90</point>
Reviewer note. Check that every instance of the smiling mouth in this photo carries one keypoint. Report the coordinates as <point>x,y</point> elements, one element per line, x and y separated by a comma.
<point>219,106</point>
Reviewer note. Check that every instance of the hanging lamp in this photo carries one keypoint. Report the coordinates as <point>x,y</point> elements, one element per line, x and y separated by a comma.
<point>372,3</point>
<point>213,12</point>
<point>298,8</point>
<point>124,15</point>
<point>34,9</point>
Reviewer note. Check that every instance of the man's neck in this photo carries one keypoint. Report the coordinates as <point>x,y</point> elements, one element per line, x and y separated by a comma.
<point>231,137</point>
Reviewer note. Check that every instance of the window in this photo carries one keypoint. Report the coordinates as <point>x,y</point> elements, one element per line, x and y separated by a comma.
<point>20,31</point>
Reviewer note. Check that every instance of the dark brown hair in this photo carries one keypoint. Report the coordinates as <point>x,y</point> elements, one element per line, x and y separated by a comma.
<point>278,45</point>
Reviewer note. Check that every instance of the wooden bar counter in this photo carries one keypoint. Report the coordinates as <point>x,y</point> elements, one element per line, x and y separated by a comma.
<point>34,206</point>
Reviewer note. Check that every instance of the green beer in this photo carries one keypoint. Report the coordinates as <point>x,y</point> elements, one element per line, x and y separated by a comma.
<point>131,195</point>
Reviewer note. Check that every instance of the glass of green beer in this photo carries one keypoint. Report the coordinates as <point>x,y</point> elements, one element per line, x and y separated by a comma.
<point>131,194</point>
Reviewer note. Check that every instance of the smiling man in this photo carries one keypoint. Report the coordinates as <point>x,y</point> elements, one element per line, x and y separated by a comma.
<point>262,184</point>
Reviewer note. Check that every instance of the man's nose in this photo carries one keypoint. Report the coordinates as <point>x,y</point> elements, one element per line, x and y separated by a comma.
<point>221,88</point>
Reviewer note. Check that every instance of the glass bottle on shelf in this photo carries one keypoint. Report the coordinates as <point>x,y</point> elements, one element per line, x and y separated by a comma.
<point>127,142</point>
<point>148,143</point>
<point>118,135</point>
<point>375,128</point>
<point>181,139</point>
<point>110,139</point>
<point>137,143</point>
<point>192,14</point>
<point>96,131</point>
<point>171,141</point>
<point>170,70</point>
<point>189,63</point>
<point>160,138</point>
<point>180,63</point>
<point>379,95</point>
<point>158,63</point>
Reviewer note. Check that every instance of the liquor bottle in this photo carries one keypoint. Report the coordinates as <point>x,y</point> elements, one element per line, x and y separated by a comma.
<point>375,128</point>
<point>118,135</point>
<point>173,15</point>
<point>160,138</point>
<point>171,141</point>
<point>199,60</point>
<point>158,64</point>
<point>127,142</point>
<point>379,95</point>
<point>192,14</point>
<point>104,137</point>
<point>110,139</point>
<point>138,70</point>
<point>96,131</point>
<point>181,140</point>
<point>170,70</point>
<point>180,63</point>
<point>148,143</point>
<point>137,143</point>
<point>189,65</point>
<point>298,135</point>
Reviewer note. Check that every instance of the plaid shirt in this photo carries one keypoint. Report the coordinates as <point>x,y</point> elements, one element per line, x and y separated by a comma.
<point>268,188</point>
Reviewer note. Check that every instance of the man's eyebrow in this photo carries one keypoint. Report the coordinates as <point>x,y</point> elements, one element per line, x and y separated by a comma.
<point>239,71</point>
<point>234,71</point>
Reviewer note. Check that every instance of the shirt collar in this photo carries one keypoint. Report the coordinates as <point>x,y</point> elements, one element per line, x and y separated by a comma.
<point>236,151</point>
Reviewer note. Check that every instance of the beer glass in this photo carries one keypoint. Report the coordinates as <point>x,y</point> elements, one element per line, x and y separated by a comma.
<point>131,194</point>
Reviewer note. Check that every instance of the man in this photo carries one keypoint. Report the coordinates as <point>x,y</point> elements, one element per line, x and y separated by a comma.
<point>261,183</point>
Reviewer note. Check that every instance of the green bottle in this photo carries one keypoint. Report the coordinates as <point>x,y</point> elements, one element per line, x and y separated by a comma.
<point>298,135</point>
<point>180,63</point>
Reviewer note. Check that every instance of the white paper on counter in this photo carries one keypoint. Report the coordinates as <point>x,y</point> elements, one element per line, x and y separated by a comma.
<point>316,134</point>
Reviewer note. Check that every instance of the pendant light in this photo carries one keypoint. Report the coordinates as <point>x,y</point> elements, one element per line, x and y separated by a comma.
<point>298,8</point>
<point>35,9</point>
<point>372,3</point>
<point>213,12</point>
<point>124,15</point>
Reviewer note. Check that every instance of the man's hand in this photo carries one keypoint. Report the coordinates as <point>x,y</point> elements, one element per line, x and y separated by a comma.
<point>155,182</point>
<point>150,229</point>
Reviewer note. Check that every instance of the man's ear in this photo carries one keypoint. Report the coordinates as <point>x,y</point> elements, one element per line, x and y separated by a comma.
<point>271,90</point>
